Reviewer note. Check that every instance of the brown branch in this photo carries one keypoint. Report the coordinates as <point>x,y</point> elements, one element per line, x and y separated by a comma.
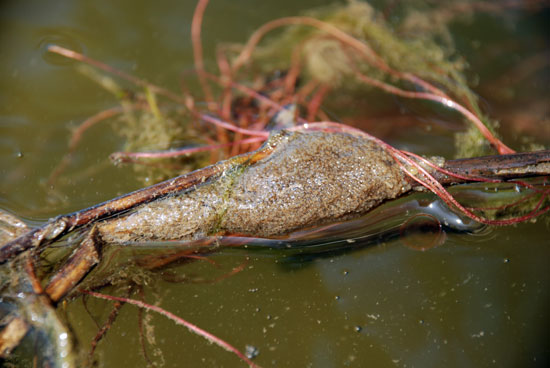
<point>499,167</point>
<point>75,268</point>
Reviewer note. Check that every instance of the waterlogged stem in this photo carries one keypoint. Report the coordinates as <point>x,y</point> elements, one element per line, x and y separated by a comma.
<point>178,320</point>
<point>122,156</point>
<point>196,26</point>
<point>443,100</point>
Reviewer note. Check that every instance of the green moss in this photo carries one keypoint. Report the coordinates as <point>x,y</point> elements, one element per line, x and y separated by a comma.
<point>227,182</point>
<point>471,143</point>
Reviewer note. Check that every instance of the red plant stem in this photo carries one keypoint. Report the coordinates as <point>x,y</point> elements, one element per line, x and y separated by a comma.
<point>294,71</point>
<point>219,123</point>
<point>196,25</point>
<point>447,172</point>
<point>98,64</point>
<point>308,88</point>
<point>445,101</point>
<point>238,137</point>
<point>178,320</point>
<point>77,136</point>
<point>185,151</point>
<point>227,96</point>
<point>316,100</point>
<point>105,328</point>
<point>225,71</point>
<point>254,94</point>
<point>91,121</point>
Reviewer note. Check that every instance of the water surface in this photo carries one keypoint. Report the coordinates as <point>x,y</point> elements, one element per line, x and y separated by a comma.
<point>480,299</point>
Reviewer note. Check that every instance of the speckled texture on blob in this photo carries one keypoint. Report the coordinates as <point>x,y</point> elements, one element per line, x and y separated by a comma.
<point>189,215</point>
<point>310,179</point>
<point>313,178</point>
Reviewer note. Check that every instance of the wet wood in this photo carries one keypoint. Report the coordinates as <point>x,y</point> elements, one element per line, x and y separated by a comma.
<point>501,167</point>
<point>75,268</point>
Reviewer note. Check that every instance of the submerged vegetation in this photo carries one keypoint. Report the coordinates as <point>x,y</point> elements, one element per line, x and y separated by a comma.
<point>299,166</point>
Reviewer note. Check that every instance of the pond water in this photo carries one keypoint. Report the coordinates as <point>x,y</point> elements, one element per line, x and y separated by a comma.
<point>364,296</point>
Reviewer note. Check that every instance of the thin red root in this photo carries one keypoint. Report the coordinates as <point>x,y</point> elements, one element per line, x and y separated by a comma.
<point>77,136</point>
<point>217,122</point>
<point>316,100</point>
<point>178,320</point>
<point>184,151</point>
<point>196,25</point>
<point>445,101</point>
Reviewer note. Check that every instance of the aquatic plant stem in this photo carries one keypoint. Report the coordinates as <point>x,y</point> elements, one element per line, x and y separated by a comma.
<point>77,136</point>
<point>196,26</point>
<point>315,104</point>
<point>98,64</point>
<point>178,320</point>
<point>445,101</point>
<point>121,156</point>
<point>219,123</point>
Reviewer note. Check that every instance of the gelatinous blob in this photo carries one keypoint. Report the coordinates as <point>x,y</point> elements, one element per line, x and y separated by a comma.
<point>309,179</point>
<point>312,179</point>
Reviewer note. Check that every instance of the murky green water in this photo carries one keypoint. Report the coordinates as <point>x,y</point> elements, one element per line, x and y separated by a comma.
<point>479,300</point>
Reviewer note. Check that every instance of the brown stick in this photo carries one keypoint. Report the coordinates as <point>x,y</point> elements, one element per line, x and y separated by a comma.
<point>501,167</point>
<point>77,266</point>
